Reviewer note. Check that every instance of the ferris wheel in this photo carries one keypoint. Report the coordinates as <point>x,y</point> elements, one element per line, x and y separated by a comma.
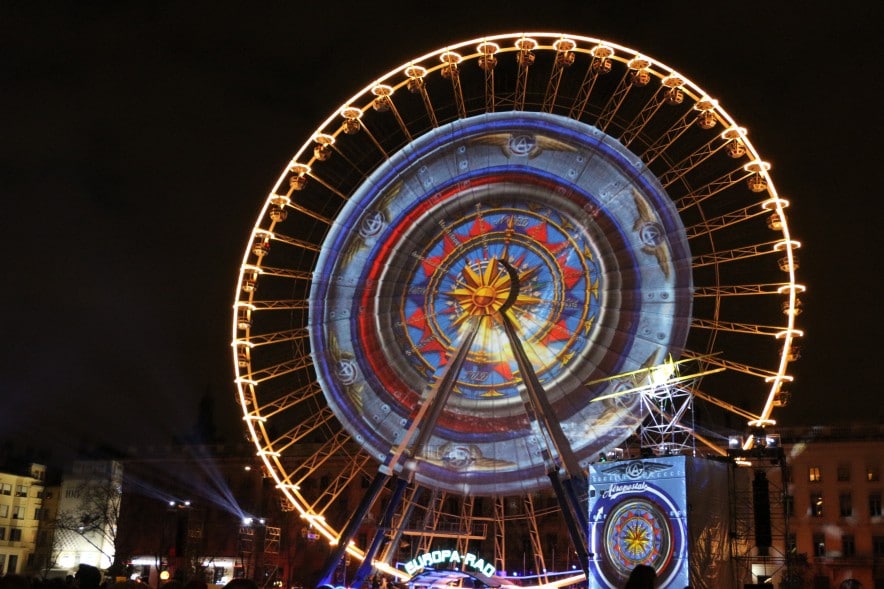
<point>457,284</point>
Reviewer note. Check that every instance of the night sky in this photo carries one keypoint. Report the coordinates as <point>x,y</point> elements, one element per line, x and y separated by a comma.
<point>139,140</point>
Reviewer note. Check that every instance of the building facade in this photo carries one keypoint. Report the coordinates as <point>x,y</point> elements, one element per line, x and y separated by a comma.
<point>211,512</point>
<point>21,513</point>
<point>85,524</point>
<point>834,507</point>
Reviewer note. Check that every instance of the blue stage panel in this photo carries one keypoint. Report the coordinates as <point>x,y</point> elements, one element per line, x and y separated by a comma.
<point>669,512</point>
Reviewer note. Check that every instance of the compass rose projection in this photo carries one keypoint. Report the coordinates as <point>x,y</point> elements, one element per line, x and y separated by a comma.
<point>638,533</point>
<point>556,305</point>
<point>538,217</point>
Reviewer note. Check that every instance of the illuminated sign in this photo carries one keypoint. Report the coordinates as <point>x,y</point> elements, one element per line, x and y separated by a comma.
<point>436,557</point>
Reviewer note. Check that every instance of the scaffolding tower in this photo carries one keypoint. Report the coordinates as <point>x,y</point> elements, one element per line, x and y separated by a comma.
<point>759,548</point>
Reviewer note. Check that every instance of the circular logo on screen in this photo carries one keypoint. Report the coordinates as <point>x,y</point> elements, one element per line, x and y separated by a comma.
<point>638,532</point>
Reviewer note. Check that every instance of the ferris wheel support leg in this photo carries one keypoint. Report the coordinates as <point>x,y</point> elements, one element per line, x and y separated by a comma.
<point>538,401</point>
<point>575,487</point>
<point>371,495</point>
<point>396,537</point>
<point>569,509</point>
<point>432,404</point>
<point>380,533</point>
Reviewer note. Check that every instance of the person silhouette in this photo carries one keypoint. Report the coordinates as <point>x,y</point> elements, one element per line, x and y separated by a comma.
<point>641,577</point>
<point>87,577</point>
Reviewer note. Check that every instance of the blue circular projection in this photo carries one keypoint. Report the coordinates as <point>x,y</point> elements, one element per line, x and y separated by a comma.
<point>422,248</point>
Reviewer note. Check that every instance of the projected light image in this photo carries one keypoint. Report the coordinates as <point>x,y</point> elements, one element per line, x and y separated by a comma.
<point>600,285</point>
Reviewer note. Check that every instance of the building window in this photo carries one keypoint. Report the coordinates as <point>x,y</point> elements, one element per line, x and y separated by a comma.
<point>39,513</point>
<point>819,545</point>
<point>21,491</point>
<point>791,543</point>
<point>875,505</point>
<point>873,474</point>
<point>843,472</point>
<point>18,512</point>
<point>816,504</point>
<point>5,489</point>
<point>845,505</point>
<point>15,534</point>
<point>878,545</point>
<point>848,546</point>
<point>2,533</point>
<point>814,475</point>
<point>4,511</point>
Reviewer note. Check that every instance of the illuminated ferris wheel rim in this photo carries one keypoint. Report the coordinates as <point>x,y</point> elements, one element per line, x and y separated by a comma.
<point>492,45</point>
<point>398,78</point>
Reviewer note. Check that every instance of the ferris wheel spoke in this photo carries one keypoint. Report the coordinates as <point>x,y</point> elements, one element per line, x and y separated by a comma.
<point>717,360</point>
<point>564,58</point>
<point>467,506</point>
<point>599,65</point>
<point>736,410</point>
<point>417,85</point>
<point>293,241</point>
<point>669,93</point>
<point>775,331</point>
<point>692,162</point>
<point>774,288</point>
<point>281,305</point>
<point>668,138</point>
<point>524,59</point>
<point>326,452</point>
<point>628,81</point>
<point>737,254</point>
<point>276,337</point>
<point>534,533</point>
<point>383,102</point>
<point>303,429</point>
<point>451,71</point>
<point>724,221</point>
<point>279,369</point>
<point>353,472</point>
<point>699,194</point>
<point>309,392</point>
<point>433,525</point>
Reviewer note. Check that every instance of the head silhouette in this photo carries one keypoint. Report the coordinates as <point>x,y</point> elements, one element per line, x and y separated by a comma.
<point>641,577</point>
<point>88,577</point>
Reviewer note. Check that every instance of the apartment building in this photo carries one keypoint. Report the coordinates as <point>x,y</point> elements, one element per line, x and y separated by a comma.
<point>833,502</point>
<point>21,512</point>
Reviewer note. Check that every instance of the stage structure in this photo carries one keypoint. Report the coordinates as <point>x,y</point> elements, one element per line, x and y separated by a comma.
<point>473,272</point>
<point>669,512</point>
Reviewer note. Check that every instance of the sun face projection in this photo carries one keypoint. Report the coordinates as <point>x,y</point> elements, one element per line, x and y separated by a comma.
<point>539,217</point>
<point>489,291</point>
